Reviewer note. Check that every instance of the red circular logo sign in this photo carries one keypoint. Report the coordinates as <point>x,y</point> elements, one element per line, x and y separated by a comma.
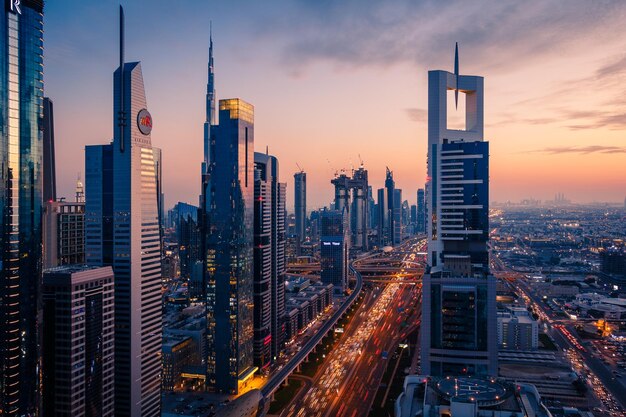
<point>144,121</point>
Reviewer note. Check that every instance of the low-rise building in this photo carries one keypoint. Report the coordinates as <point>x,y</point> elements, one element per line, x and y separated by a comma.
<point>468,397</point>
<point>517,329</point>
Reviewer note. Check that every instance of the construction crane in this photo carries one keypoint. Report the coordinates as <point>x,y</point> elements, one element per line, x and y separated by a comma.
<point>299,167</point>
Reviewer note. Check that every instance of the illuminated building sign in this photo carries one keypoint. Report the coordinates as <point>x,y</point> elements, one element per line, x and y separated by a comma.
<point>14,6</point>
<point>144,121</point>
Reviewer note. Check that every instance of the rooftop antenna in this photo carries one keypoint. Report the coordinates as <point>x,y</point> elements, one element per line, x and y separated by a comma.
<point>267,150</point>
<point>361,160</point>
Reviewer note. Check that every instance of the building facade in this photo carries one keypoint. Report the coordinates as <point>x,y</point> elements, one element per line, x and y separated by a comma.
<point>268,168</point>
<point>421,218</point>
<point>122,229</point>
<point>63,233</point>
<point>49,168</point>
<point>228,234</point>
<point>334,249</point>
<point>459,308</point>
<point>21,183</point>
<point>78,337</point>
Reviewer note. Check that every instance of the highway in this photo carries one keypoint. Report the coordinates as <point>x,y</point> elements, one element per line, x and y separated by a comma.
<point>347,381</point>
<point>279,377</point>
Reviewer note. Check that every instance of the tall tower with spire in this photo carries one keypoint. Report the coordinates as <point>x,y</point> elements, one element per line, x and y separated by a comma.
<point>210,105</point>
<point>121,186</point>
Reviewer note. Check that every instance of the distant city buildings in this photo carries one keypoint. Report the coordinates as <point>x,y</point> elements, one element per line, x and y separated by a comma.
<point>334,249</point>
<point>351,195</point>
<point>78,336</point>
<point>21,186</point>
<point>123,230</point>
<point>613,262</point>
<point>459,334</point>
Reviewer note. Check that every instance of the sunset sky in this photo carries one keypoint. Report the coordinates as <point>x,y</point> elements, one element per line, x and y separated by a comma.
<point>332,80</point>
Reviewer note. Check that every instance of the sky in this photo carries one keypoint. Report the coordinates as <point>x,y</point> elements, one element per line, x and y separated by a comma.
<point>338,82</point>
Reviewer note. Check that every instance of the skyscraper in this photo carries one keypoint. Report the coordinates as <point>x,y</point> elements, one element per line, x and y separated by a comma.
<point>390,197</point>
<point>421,226</point>
<point>397,217</point>
<point>459,334</point>
<point>351,194</point>
<point>334,239</point>
<point>122,230</point>
<point>299,197</point>
<point>21,113</point>
<point>78,340</point>
<point>228,232</point>
<point>383,218</point>
<point>269,259</point>
<point>49,169</point>
<point>210,107</point>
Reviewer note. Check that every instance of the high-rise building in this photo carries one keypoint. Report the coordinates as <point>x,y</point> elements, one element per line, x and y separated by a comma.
<point>228,233</point>
<point>63,233</point>
<point>421,217</point>
<point>21,183</point>
<point>49,169</point>
<point>300,205</point>
<point>334,246</point>
<point>389,219</point>
<point>269,259</point>
<point>459,332</point>
<point>397,217</point>
<point>122,230</point>
<point>384,218</point>
<point>78,337</point>
<point>351,194</point>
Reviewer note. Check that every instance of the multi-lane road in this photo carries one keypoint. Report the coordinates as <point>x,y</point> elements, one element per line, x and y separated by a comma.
<point>346,383</point>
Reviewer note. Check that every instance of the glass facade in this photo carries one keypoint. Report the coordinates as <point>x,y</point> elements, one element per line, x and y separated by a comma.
<point>228,233</point>
<point>334,249</point>
<point>122,229</point>
<point>21,114</point>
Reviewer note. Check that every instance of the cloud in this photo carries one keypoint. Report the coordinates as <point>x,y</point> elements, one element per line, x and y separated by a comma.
<point>497,34</point>
<point>417,115</point>
<point>584,150</point>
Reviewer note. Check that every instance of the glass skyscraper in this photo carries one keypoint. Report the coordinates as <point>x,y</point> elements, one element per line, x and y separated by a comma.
<point>122,230</point>
<point>228,233</point>
<point>334,240</point>
<point>299,200</point>
<point>21,149</point>
<point>459,303</point>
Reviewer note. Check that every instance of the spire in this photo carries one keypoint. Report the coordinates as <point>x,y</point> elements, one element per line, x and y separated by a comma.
<point>210,102</point>
<point>456,74</point>
<point>121,117</point>
<point>210,93</point>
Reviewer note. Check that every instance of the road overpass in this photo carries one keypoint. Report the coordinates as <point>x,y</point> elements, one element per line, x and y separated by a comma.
<point>280,376</point>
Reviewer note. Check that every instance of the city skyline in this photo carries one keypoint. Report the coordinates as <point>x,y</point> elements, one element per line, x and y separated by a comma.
<point>574,151</point>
